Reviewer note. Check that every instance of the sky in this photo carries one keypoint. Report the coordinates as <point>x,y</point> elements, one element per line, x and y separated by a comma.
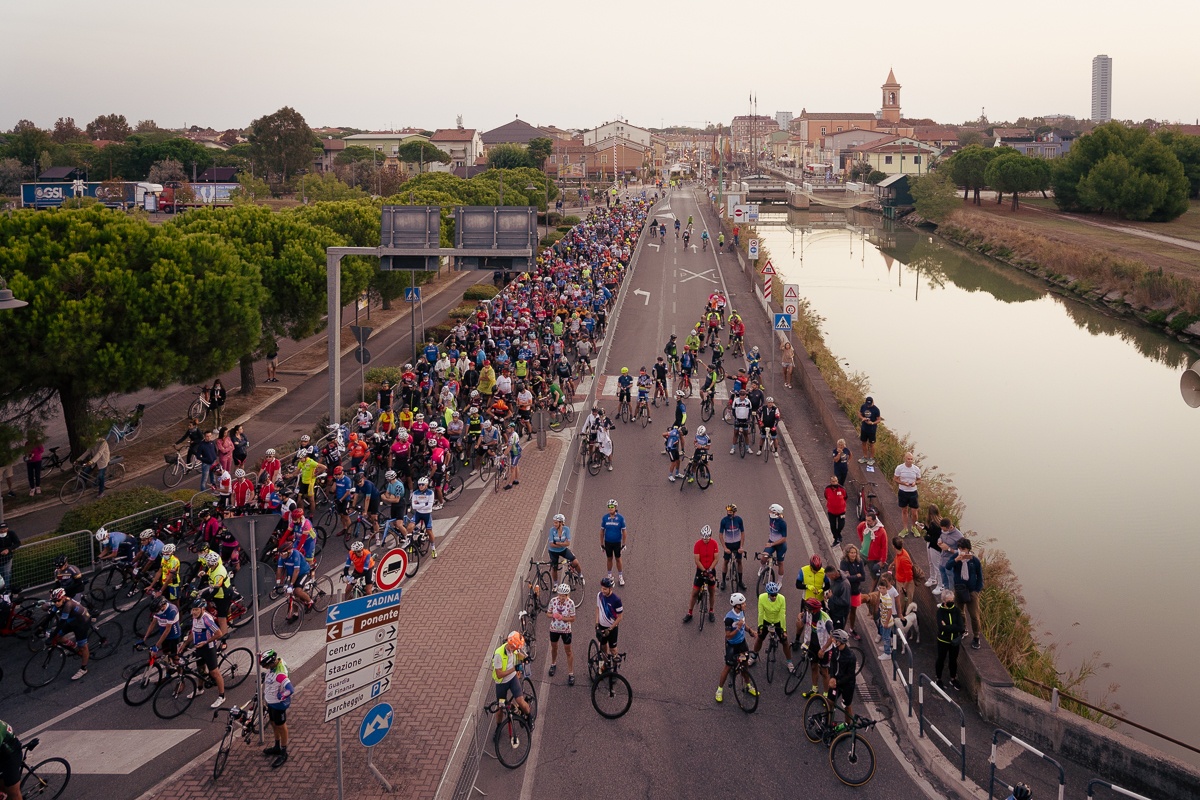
<point>380,65</point>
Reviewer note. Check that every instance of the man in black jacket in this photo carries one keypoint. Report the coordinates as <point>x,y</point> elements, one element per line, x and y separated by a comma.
<point>968,583</point>
<point>837,597</point>
<point>8,545</point>
<point>949,639</point>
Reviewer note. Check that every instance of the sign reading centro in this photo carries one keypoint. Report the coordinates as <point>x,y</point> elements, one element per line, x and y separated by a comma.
<point>391,569</point>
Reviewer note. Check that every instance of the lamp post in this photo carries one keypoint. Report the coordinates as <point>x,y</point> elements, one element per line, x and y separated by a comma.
<point>7,301</point>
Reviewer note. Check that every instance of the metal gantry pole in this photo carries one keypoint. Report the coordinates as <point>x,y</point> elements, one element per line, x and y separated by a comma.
<point>333,288</point>
<point>254,604</point>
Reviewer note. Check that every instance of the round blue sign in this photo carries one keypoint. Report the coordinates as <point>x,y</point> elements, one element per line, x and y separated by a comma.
<point>375,725</point>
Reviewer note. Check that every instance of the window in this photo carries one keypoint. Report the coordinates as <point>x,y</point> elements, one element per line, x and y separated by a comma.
<point>839,128</point>
<point>887,159</point>
<point>916,159</point>
<point>823,130</point>
<point>604,159</point>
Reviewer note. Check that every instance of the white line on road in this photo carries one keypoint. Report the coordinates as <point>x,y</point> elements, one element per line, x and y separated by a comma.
<point>643,293</point>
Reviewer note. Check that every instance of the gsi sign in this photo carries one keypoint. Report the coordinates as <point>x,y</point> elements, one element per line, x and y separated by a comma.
<point>49,193</point>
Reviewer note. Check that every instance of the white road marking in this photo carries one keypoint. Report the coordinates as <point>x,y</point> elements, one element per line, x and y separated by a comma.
<point>703,275</point>
<point>651,244</point>
<point>115,752</point>
<point>608,388</point>
<point>646,294</point>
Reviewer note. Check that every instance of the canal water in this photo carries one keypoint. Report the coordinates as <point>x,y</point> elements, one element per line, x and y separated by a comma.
<point>1063,428</point>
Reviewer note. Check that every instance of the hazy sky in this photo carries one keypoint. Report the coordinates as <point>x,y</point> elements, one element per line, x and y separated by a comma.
<point>375,64</point>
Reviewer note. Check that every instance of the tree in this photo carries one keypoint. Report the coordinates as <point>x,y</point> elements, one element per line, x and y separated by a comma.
<point>539,150</point>
<point>966,168</point>
<point>26,142</point>
<point>1015,173</point>
<point>508,156</point>
<point>421,152</point>
<point>281,143</point>
<point>66,131</point>
<point>968,138</point>
<point>167,171</point>
<point>229,138</point>
<point>12,173</point>
<point>859,170</point>
<point>355,153</point>
<point>114,304</point>
<point>251,189</point>
<point>1187,150</point>
<point>934,195</point>
<point>326,187</point>
<point>147,126</point>
<point>875,176</point>
<point>113,127</point>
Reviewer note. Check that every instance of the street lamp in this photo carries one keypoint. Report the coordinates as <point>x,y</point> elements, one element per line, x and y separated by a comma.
<point>7,301</point>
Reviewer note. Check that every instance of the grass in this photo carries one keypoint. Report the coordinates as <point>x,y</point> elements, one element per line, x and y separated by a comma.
<point>1185,227</point>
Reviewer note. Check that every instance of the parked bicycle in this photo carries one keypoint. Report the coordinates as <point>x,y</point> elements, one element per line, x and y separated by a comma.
<point>198,410</point>
<point>537,587</point>
<point>862,498</point>
<point>128,428</point>
<point>850,754</point>
<point>52,460</point>
<point>178,467</point>
<point>243,722</point>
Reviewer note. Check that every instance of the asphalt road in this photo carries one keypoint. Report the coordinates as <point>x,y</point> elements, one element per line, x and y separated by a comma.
<point>676,741</point>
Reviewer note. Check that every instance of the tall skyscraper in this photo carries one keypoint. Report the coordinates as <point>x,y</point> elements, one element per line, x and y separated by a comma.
<point>1101,88</point>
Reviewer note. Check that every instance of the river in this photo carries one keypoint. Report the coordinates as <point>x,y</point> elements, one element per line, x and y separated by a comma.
<point>1063,428</point>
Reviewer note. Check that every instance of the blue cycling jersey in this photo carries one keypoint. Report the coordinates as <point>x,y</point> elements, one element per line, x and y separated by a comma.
<point>152,549</point>
<point>294,562</point>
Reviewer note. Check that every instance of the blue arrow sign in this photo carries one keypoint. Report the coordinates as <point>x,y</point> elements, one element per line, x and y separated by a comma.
<point>375,725</point>
<point>783,322</point>
<point>362,605</point>
<point>412,294</point>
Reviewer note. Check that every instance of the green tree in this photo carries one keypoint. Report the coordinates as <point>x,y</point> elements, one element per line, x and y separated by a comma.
<point>1014,173</point>
<point>281,143</point>
<point>66,131</point>
<point>421,152</point>
<point>966,168</point>
<point>117,305</point>
<point>508,156</point>
<point>355,153</point>
<point>875,176</point>
<point>539,150</point>
<point>934,195</point>
<point>113,127</point>
<point>251,189</point>
<point>325,187</point>
<point>1187,150</point>
<point>26,142</point>
<point>147,126</point>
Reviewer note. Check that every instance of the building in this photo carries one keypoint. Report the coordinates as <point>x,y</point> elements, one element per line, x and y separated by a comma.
<point>897,155</point>
<point>517,132</point>
<point>1051,144</point>
<point>894,192</point>
<point>814,129</point>
<point>63,174</point>
<point>387,145</point>
<point>463,145</point>
<point>891,99</point>
<point>838,146</point>
<point>617,130</point>
<point>330,150</point>
<point>1101,88</point>
<point>784,119</point>
<point>750,126</point>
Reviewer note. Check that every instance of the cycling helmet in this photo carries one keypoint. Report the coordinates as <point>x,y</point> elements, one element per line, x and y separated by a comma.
<point>776,510</point>
<point>679,393</point>
<point>515,640</point>
<point>267,659</point>
<point>423,483</point>
<point>770,400</point>
<point>305,438</point>
<point>606,582</point>
<point>754,349</point>
<point>737,599</point>
<point>559,518</point>
<point>1022,792</point>
<point>487,423</point>
<point>168,550</point>
<point>362,405</point>
<point>456,415</point>
<point>390,475</point>
<point>297,513</point>
<point>563,588</point>
<point>270,452</point>
<point>58,594</point>
<point>813,604</point>
<point>199,603</point>
<point>419,416</point>
<point>354,437</point>
<point>624,370</point>
<point>239,473</point>
<point>731,509</point>
<point>148,533</point>
<point>402,435</point>
<point>160,603</point>
<point>212,559</point>
<point>840,635</point>
<point>612,503</point>
<point>102,536</point>
<point>772,588</point>
<point>701,430</point>
<point>60,561</point>
<point>815,561</point>
<point>706,533</point>
<point>357,547</point>
<point>473,409</point>
<point>337,470</point>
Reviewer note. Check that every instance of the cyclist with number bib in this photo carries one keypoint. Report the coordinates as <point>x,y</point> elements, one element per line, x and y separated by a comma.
<point>360,565</point>
<point>644,384</point>
<point>741,420</point>
<point>772,614</point>
<point>735,640</point>
<point>768,421</point>
<point>704,554</point>
<point>73,618</point>
<point>733,533</point>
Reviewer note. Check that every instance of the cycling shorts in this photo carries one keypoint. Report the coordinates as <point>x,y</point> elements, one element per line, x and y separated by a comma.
<point>207,656</point>
<point>732,651</point>
<point>607,636</point>
<point>777,550</point>
<point>278,716</point>
<point>702,577</point>
<point>733,548</point>
<point>780,631</point>
<point>510,688</point>
<point>564,555</point>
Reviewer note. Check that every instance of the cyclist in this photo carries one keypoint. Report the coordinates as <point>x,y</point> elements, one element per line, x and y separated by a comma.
<point>662,230</point>
<point>704,239</point>
<point>310,469</point>
<point>277,696</point>
<point>704,554</point>
<point>166,623</point>
<point>343,495</point>
<point>643,386</point>
<point>71,617</point>
<point>369,500</point>
<point>813,629</point>
<point>735,639</point>
<point>217,587</point>
<point>842,664</point>
<point>613,535</point>
<point>114,545</point>
<point>513,454</point>
<point>718,352</point>
<point>167,579</point>
<point>737,329</point>
<point>506,673</point>
<point>623,385</point>
<point>271,469</point>
<point>205,634</point>
<point>300,533</point>
<point>689,220</point>
<point>243,492</point>
<point>693,341</point>
<point>671,350</point>
<point>68,577</point>
<point>677,226</point>
<point>659,374</point>
<point>687,235</point>
<point>721,240</point>
<point>772,614</point>
<point>609,611</point>
<point>674,446</point>
<point>768,420</point>
<point>561,611</point>
<point>754,363</point>
<point>776,535</point>
<point>713,321</point>
<point>811,579</point>
<point>423,501</point>
<point>711,379</point>
<point>559,547</point>
<point>150,551</point>
<point>12,757</point>
<point>700,447</point>
<point>741,420</point>
<point>361,563</point>
<point>489,442</point>
<point>687,364</point>
<point>680,411</point>
<point>292,564</point>
<point>733,533</point>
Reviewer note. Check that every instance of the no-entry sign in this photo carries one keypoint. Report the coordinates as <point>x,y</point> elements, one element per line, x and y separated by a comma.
<point>390,569</point>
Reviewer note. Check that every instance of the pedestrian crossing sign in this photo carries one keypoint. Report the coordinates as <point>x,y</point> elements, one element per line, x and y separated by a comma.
<point>783,322</point>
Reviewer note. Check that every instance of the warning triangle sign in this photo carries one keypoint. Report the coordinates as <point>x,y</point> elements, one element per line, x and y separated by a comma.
<point>791,292</point>
<point>768,268</point>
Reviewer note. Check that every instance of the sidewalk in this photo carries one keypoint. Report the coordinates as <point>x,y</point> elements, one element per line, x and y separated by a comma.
<point>448,622</point>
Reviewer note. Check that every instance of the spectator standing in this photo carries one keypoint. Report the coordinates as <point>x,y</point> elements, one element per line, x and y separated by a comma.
<point>562,614</point>
<point>968,583</point>
<point>902,567</point>
<point>216,400</point>
<point>9,542</point>
<point>241,445</point>
<point>856,572</point>
<point>869,417</point>
<point>948,544</point>
<point>272,363</point>
<point>949,639</point>
<point>835,508</point>
<point>787,358</point>
<point>933,532</point>
<point>837,597</point>
<point>908,476</point>
<point>193,436</point>
<point>206,453</point>
<point>887,614</point>
<point>225,450</point>
<point>874,540</point>
<point>34,450</point>
<point>841,461</point>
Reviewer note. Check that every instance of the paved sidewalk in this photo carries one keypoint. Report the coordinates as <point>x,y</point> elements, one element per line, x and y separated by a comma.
<point>447,625</point>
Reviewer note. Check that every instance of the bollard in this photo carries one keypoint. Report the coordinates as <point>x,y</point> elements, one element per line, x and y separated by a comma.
<point>539,422</point>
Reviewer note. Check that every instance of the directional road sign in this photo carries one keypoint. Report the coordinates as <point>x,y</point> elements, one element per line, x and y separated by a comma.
<point>340,612</point>
<point>338,646</point>
<point>375,725</point>
<point>340,706</point>
<point>783,322</point>
<point>391,568</point>
<point>340,685</point>
<point>752,249</point>
<point>360,650</point>
<point>412,294</point>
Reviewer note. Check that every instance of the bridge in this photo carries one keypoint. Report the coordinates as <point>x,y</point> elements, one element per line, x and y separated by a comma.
<point>802,194</point>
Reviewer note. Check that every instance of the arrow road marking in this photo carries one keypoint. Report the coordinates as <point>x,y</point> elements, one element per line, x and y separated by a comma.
<point>641,292</point>
<point>705,275</point>
<point>693,248</point>
<point>650,244</point>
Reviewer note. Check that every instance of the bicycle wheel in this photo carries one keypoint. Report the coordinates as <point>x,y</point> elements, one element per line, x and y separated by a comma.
<point>414,560</point>
<point>116,473</point>
<point>706,411</point>
<point>498,477</point>
<point>741,446</point>
<point>645,417</point>
<point>796,677</point>
<point>198,410</point>
<point>360,531</point>
<point>568,414</point>
<point>594,462</point>
<point>235,666</point>
<point>512,741</point>
<point>452,489</point>
<point>266,582</point>
<point>727,415</point>
<point>593,660</point>
<point>223,752</point>
<point>105,639</point>
<point>322,594</point>
<point>239,614</point>
<point>703,477</point>
<point>142,684</point>
<point>702,604</point>
<point>767,446</point>
<point>816,717</point>
<point>611,695</point>
<point>485,469</point>
<point>105,584</point>
<point>286,620</point>
<point>43,667</point>
<point>772,656</point>
<point>852,759</point>
<point>46,780</point>
<point>142,620</point>
<point>529,692</point>
<point>744,691</point>
<point>174,696</point>
<point>72,490</point>
<point>173,475</point>
<point>543,590</point>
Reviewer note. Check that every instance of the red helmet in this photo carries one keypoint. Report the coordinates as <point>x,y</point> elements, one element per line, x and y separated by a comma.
<point>337,470</point>
<point>815,561</point>
<point>297,513</point>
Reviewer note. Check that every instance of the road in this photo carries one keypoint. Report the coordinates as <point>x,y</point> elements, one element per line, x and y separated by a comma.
<point>676,741</point>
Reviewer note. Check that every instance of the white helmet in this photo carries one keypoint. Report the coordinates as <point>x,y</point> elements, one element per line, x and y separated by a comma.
<point>776,510</point>
<point>612,503</point>
<point>239,473</point>
<point>737,599</point>
<point>559,518</point>
<point>146,534</point>
<point>706,533</point>
<point>423,483</point>
<point>701,430</point>
<point>270,452</point>
<point>168,550</point>
<point>390,475</point>
<point>679,393</point>
<point>487,423</point>
<point>102,535</point>
<point>212,559</point>
<point>754,349</point>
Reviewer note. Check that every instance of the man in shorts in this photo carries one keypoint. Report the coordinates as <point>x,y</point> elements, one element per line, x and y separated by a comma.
<point>908,476</point>
<point>369,500</point>
<point>612,539</point>
<point>772,615</point>
<point>506,672</point>
<point>165,622</point>
<point>733,532</point>
<point>704,556</point>
<point>11,758</point>
<point>559,547</point>
<point>869,417</point>
<point>842,665</point>
<point>735,638</point>
<point>205,636</point>
<point>277,696</point>
<point>562,613</point>
<point>609,611</point>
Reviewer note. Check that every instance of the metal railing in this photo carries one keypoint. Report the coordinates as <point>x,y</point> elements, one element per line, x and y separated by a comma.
<point>923,724</point>
<point>32,565</point>
<point>1062,775</point>
<point>134,523</point>
<point>897,673</point>
<point>475,741</point>
<point>1094,782</point>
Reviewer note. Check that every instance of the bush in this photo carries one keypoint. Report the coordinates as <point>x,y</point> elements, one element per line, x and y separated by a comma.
<point>439,332</point>
<point>196,499</point>
<point>377,375</point>
<point>114,505</point>
<point>480,291</point>
<point>549,239</point>
<point>570,219</point>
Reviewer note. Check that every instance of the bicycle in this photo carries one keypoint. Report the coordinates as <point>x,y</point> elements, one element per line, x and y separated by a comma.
<point>178,468</point>
<point>198,410</point>
<point>643,413</point>
<point>773,648</point>
<point>143,680</point>
<point>731,575</point>
<point>54,460</point>
<point>85,478</point>
<point>528,624</point>
<point>850,755</point>
<point>186,681</point>
<point>47,664</point>
<point>127,429</point>
<point>768,571</point>
<point>611,693</point>
<point>289,615</point>
<point>697,471</point>
<point>46,779</point>
<point>737,346</point>
<point>243,721</point>
<point>707,407</point>
<point>660,393</point>
<point>702,600</point>
<point>624,411</point>
<point>804,666</point>
<point>106,583</point>
<point>741,435</point>
<point>563,414</point>
<point>590,455</point>
<point>769,443</point>
<point>514,732</point>
<point>684,383</point>
<point>415,545</point>
<point>537,596</point>
<point>745,692</point>
<point>862,498</point>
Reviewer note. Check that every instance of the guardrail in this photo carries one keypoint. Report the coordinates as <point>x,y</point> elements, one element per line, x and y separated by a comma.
<point>475,743</point>
<point>1062,775</point>
<point>922,724</point>
<point>1094,782</point>
<point>32,565</point>
<point>897,673</point>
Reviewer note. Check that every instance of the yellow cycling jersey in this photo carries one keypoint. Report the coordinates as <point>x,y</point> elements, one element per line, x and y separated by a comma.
<point>170,564</point>
<point>772,613</point>
<point>218,576</point>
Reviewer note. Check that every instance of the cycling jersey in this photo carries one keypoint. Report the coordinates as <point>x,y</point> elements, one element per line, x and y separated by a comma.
<point>218,576</point>
<point>732,618</point>
<point>772,612</point>
<point>169,568</point>
<point>741,409</point>
<point>152,549</point>
<point>168,620</point>
<point>294,564</point>
<point>422,501</point>
<point>731,528</point>
<point>777,530</point>
<point>608,609</point>
<point>308,468</point>
<point>769,417</point>
<point>205,630</point>
<point>115,540</point>
<point>359,563</point>
<point>343,486</point>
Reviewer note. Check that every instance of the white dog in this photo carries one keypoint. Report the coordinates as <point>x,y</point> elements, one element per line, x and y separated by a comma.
<point>908,624</point>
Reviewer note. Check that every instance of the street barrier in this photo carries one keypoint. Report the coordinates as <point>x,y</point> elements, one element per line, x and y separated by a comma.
<point>32,566</point>
<point>1094,782</point>
<point>135,523</point>
<point>922,725</point>
<point>992,779</point>
<point>475,741</point>
<point>897,673</point>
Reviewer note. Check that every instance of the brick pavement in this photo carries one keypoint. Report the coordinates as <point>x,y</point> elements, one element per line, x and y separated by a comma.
<point>430,693</point>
